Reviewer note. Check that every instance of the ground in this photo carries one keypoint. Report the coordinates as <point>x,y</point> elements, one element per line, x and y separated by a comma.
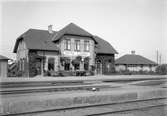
<point>61,92</point>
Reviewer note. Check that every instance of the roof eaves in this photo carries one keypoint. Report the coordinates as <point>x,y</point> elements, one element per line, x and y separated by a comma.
<point>4,58</point>
<point>45,50</point>
<point>18,39</point>
<point>16,44</point>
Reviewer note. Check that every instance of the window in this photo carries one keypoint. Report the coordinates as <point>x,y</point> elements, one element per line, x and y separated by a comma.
<point>86,46</point>
<point>77,45</point>
<point>109,60</point>
<point>51,64</point>
<point>76,66</point>
<point>67,66</point>
<point>67,44</point>
<point>86,66</point>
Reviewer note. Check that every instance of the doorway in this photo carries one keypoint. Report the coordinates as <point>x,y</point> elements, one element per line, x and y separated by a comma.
<point>38,66</point>
<point>98,67</point>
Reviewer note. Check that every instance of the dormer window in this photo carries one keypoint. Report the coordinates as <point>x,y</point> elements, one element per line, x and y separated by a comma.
<point>86,46</point>
<point>77,45</point>
<point>67,44</point>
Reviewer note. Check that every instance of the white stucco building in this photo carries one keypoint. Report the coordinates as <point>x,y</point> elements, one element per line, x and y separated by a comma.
<point>3,66</point>
<point>134,63</point>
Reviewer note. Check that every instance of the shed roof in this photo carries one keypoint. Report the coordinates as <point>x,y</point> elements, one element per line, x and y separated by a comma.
<point>3,58</point>
<point>134,59</point>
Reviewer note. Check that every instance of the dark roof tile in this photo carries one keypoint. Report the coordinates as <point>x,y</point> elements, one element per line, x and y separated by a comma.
<point>134,59</point>
<point>42,40</point>
<point>71,29</point>
<point>104,47</point>
<point>37,40</point>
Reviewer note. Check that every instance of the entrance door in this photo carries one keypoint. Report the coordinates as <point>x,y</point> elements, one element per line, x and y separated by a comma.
<point>38,66</point>
<point>98,67</point>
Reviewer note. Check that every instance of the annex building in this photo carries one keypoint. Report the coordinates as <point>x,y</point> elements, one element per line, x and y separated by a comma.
<point>134,63</point>
<point>69,49</point>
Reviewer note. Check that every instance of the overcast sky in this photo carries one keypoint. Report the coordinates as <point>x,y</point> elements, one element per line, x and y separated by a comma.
<point>139,25</point>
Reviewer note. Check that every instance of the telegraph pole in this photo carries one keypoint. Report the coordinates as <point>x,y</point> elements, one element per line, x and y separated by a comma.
<point>160,58</point>
<point>157,57</point>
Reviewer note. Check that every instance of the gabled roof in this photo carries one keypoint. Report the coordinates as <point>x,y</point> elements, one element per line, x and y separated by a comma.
<point>134,59</point>
<point>37,40</point>
<point>104,47</point>
<point>43,40</point>
<point>71,29</point>
<point>3,58</point>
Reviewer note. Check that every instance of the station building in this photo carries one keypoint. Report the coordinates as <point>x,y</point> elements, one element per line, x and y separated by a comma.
<point>69,49</point>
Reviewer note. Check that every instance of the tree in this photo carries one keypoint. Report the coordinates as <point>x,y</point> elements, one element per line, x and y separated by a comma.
<point>86,60</point>
<point>79,58</point>
<point>162,69</point>
<point>86,63</point>
<point>64,60</point>
<point>76,62</point>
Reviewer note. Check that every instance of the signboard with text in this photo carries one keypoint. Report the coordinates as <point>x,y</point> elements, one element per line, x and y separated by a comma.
<point>69,53</point>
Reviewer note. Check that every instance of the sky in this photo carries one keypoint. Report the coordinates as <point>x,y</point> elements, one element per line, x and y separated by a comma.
<point>139,25</point>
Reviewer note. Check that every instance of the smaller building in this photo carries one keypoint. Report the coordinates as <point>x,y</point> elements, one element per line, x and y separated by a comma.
<point>134,63</point>
<point>3,66</point>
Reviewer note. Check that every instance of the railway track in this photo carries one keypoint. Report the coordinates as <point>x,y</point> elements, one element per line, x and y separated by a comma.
<point>57,86</point>
<point>107,109</point>
<point>105,102</point>
<point>84,87</point>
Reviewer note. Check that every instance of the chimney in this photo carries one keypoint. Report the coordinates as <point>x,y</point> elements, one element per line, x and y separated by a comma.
<point>133,52</point>
<point>50,29</point>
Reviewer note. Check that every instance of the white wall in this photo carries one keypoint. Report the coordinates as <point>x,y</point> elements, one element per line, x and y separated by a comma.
<point>48,55</point>
<point>135,68</point>
<point>3,68</point>
<point>72,53</point>
<point>22,51</point>
<point>120,67</point>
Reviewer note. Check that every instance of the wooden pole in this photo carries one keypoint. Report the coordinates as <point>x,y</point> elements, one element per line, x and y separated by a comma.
<point>157,56</point>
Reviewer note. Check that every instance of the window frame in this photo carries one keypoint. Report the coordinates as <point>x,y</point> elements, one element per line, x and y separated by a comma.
<point>77,45</point>
<point>67,44</point>
<point>86,45</point>
<point>50,63</point>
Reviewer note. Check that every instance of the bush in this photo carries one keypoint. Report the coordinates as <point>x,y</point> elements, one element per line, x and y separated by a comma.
<point>19,74</point>
<point>124,72</point>
<point>92,68</point>
<point>162,69</point>
<point>65,73</point>
<point>92,73</point>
